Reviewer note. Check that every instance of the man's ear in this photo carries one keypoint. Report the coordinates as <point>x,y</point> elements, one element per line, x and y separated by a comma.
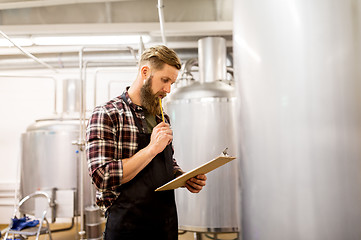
<point>145,71</point>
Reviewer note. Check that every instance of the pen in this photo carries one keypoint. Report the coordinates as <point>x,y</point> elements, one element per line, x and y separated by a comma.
<point>161,109</point>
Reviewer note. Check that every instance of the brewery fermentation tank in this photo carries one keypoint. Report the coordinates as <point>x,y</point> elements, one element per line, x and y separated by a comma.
<point>50,161</point>
<point>202,118</point>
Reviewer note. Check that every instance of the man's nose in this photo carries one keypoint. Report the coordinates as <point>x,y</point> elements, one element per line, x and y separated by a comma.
<point>167,88</point>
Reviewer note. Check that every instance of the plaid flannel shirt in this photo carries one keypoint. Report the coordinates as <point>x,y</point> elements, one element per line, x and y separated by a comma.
<point>111,136</point>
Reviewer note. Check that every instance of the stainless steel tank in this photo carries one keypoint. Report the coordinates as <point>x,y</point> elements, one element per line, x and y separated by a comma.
<point>202,117</point>
<point>297,75</point>
<point>50,162</point>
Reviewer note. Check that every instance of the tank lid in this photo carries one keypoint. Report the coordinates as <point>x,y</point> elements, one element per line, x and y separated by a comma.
<point>217,89</point>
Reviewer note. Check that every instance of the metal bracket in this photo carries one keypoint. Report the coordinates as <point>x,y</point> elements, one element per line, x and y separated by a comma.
<point>225,152</point>
<point>80,144</point>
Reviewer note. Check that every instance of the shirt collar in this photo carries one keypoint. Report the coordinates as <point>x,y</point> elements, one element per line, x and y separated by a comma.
<point>135,107</point>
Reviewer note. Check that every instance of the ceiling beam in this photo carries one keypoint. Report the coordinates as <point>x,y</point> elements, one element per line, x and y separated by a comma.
<point>48,3</point>
<point>206,28</point>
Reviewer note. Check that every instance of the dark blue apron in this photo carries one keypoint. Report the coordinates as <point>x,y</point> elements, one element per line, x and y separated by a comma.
<point>139,212</point>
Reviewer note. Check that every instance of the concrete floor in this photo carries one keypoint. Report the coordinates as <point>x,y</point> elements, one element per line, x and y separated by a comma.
<point>72,234</point>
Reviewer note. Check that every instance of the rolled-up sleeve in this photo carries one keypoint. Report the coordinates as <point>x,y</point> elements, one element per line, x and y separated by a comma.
<point>101,149</point>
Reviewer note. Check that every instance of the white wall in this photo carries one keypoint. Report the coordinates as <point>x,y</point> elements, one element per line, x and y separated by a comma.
<point>26,99</point>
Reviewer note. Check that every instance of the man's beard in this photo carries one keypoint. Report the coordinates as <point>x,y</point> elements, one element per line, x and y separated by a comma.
<point>149,100</point>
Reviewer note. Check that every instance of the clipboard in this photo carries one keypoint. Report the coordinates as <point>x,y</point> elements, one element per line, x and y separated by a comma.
<point>203,169</point>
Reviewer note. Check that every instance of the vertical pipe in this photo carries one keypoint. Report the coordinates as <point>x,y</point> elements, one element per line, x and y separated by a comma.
<point>161,20</point>
<point>297,76</point>
<point>81,142</point>
<point>141,47</point>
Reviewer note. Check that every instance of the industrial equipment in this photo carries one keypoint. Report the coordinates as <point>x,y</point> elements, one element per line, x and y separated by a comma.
<point>203,123</point>
<point>50,161</point>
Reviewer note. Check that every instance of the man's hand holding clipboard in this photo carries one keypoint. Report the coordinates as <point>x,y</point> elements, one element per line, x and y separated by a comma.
<point>186,179</point>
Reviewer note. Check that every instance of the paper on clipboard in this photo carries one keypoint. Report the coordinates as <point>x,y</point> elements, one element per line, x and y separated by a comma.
<point>203,169</point>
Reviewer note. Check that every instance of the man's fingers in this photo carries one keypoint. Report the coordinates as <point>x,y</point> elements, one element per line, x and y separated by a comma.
<point>201,177</point>
<point>191,188</point>
<point>198,180</point>
<point>196,184</point>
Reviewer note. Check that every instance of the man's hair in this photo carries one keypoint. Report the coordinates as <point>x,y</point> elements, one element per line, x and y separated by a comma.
<point>157,56</point>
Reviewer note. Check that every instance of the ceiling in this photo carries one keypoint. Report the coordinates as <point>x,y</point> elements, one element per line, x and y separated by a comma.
<point>42,12</point>
<point>185,21</point>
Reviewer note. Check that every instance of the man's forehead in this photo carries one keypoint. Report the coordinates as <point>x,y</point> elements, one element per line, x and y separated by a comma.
<point>171,73</point>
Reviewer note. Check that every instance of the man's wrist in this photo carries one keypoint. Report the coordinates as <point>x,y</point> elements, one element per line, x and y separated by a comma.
<point>151,151</point>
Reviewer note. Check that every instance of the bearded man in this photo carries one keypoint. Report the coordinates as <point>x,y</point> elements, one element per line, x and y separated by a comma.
<point>130,154</point>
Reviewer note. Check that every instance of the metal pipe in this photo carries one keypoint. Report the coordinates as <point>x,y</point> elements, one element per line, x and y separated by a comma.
<point>64,229</point>
<point>133,53</point>
<point>161,20</point>
<point>81,142</point>
<point>32,76</point>
<point>82,159</point>
<point>28,54</point>
<point>186,76</point>
<point>189,64</point>
<point>141,47</point>
<point>35,194</point>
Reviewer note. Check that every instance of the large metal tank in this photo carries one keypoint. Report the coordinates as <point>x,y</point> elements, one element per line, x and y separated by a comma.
<point>297,75</point>
<point>203,125</point>
<point>50,161</point>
